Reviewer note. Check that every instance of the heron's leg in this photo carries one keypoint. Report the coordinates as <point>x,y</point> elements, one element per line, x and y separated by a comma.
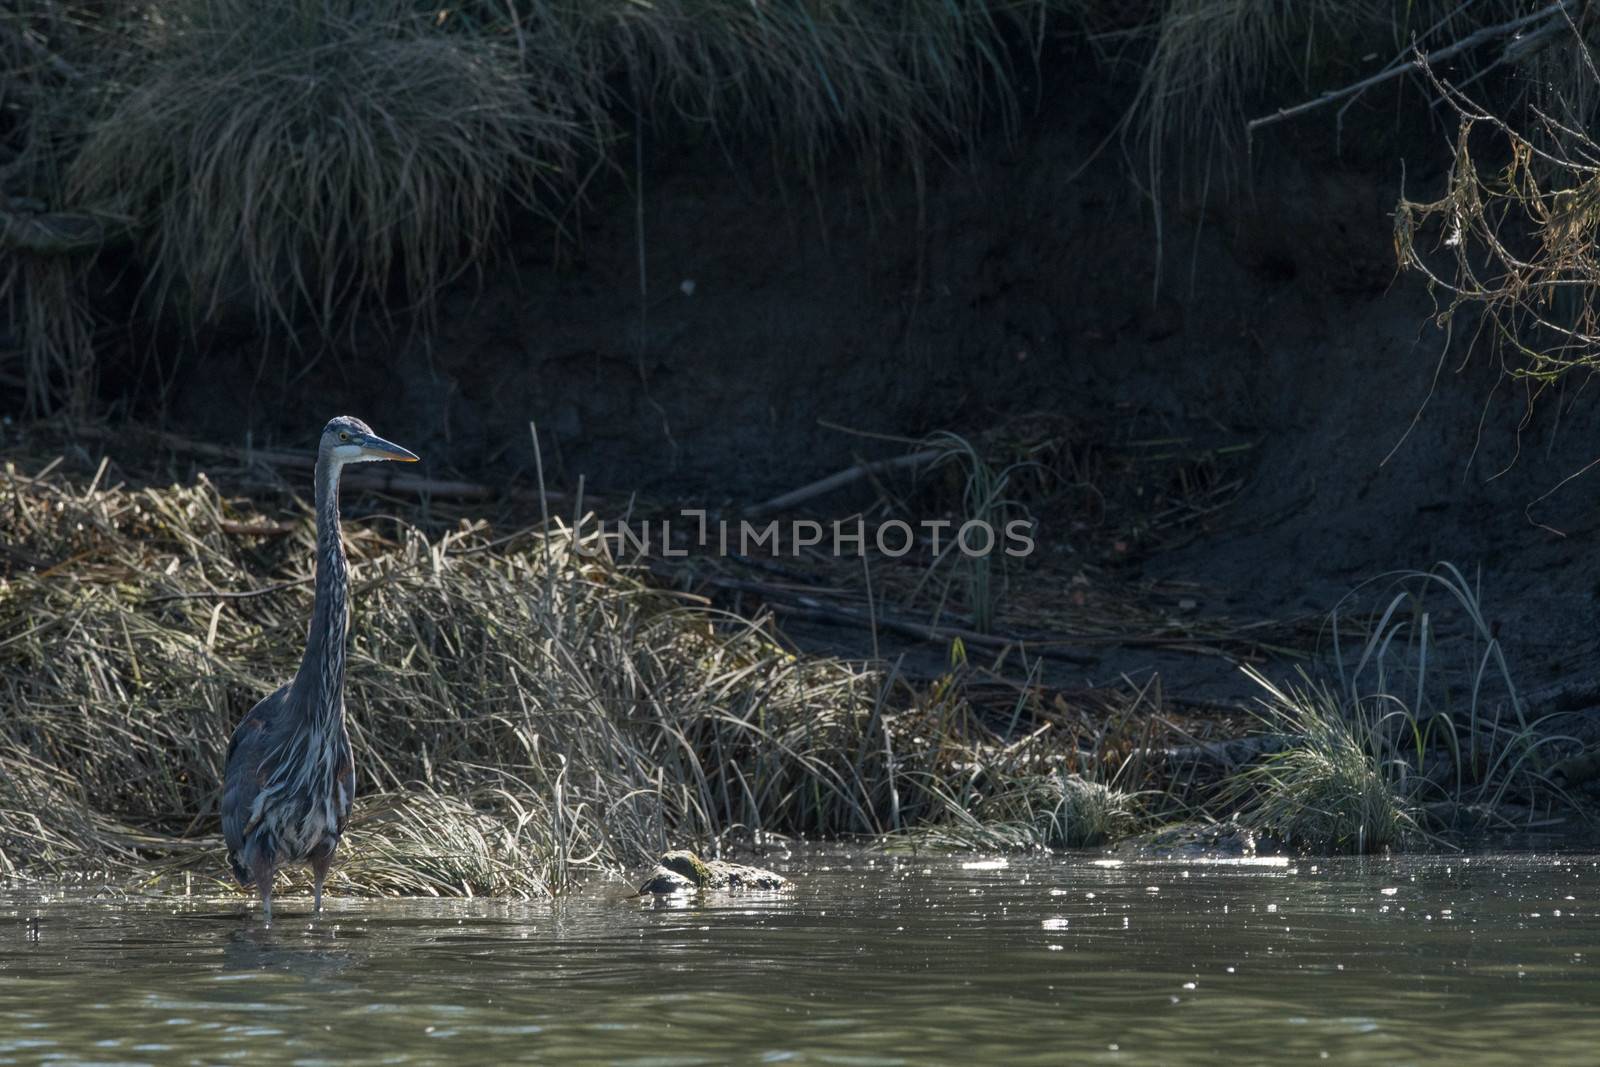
<point>319,871</point>
<point>264,883</point>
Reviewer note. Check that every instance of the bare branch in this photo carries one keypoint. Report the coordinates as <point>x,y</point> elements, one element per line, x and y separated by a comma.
<point>1395,70</point>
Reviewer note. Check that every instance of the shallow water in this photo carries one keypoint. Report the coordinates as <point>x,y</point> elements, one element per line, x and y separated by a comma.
<point>1417,959</point>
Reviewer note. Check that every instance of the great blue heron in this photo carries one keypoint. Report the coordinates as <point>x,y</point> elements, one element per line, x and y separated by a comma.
<point>290,778</point>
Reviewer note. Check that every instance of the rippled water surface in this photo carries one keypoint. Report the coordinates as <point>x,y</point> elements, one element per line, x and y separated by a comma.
<point>1488,959</point>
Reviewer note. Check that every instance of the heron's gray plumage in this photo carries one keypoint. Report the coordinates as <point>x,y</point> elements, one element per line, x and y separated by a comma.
<point>290,777</point>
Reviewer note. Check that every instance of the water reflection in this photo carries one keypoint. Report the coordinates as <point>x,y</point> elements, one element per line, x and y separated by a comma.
<point>314,953</point>
<point>872,960</point>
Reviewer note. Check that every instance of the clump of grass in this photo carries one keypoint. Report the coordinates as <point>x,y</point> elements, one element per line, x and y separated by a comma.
<point>1425,712</point>
<point>1206,63</point>
<point>1057,810</point>
<point>309,157</point>
<point>1338,786</point>
<point>421,843</point>
<point>1208,67</point>
<point>986,508</point>
<point>1025,812</point>
<point>1209,58</point>
<point>1432,651</point>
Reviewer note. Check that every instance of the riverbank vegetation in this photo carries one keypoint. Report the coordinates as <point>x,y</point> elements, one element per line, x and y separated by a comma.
<point>531,711</point>
<point>294,169</point>
<point>527,708</point>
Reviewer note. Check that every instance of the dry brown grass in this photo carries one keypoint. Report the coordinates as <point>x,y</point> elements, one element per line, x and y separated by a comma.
<point>315,159</point>
<point>524,708</point>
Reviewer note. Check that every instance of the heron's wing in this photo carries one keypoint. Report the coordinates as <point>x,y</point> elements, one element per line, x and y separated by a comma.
<point>241,776</point>
<point>344,777</point>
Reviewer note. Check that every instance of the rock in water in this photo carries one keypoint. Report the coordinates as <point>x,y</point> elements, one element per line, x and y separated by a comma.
<point>1196,840</point>
<point>681,871</point>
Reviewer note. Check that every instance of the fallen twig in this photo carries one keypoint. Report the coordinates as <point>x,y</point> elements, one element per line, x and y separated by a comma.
<point>825,613</point>
<point>211,594</point>
<point>843,478</point>
<point>1229,755</point>
<point>804,606</point>
<point>257,529</point>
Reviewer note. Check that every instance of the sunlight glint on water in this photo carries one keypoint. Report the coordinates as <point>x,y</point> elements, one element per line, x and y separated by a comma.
<point>874,960</point>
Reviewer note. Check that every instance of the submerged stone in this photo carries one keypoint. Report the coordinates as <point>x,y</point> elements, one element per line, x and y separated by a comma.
<point>662,882</point>
<point>1196,840</point>
<point>681,871</point>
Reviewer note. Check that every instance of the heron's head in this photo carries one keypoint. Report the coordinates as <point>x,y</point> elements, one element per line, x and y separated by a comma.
<point>349,440</point>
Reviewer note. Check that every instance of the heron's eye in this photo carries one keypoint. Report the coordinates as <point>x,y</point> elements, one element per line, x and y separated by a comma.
<point>343,436</point>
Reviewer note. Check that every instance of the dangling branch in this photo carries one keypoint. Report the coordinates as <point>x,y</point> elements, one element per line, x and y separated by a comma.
<point>1553,17</point>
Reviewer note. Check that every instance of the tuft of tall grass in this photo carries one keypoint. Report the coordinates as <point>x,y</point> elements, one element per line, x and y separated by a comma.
<point>986,505</point>
<point>1425,711</point>
<point>1206,67</point>
<point>1339,786</point>
<point>1208,59</point>
<point>317,157</point>
<point>1206,63</point>
<point>54,54</point>
<point>1052,810</point>
<point>1432,650</point>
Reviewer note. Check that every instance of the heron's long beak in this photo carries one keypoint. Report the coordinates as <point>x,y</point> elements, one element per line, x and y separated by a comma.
<point>378,448</point>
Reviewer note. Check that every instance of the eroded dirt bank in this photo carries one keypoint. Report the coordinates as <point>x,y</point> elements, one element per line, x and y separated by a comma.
<point>1017,283</point>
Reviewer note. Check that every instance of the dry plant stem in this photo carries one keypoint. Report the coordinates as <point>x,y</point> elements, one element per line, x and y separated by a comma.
<point>1520,241</point>
<point>848,476</point>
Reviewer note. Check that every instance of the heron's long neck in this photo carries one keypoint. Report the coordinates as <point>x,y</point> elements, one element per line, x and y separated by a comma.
<point>321,676</point>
